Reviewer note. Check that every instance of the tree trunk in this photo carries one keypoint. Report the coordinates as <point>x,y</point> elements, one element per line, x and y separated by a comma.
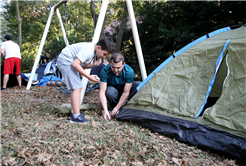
<point>103,28</point>
<point>93,14</point>
<point>95,17</point>
<point>121,31</point>
<point>19,23</point>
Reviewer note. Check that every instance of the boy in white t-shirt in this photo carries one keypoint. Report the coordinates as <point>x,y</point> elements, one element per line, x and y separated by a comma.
<point>73,60</point>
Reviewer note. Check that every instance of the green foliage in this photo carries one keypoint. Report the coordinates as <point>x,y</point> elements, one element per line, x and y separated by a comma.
<point>34,15</point>
<point>3,25</point>
<point>166,27</point>
<point>2,60</point>
<point>28,56</point>
<point>163,27</point>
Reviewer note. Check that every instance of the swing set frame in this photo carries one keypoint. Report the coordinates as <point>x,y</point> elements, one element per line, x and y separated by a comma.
<point>94,40</point>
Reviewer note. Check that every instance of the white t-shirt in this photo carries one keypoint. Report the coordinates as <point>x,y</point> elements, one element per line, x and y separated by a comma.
<point>11,49</point>
<point>83,51</point>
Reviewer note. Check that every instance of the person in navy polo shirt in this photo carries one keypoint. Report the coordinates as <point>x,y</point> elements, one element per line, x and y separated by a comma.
<point>116,84</point>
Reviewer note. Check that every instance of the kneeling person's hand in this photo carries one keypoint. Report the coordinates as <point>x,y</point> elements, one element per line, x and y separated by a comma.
<point>106,115</point>
<point>114,112</point>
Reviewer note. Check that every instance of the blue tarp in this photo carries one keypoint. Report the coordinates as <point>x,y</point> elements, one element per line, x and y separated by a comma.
<point>44,79</point>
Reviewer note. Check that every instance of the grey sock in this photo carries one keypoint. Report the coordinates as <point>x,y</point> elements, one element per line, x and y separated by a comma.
<point>75,115</point>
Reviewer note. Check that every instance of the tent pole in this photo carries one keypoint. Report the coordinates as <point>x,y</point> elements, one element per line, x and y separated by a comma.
<point>95,39</point>
<point>42,44</point>
<point>136,39</point>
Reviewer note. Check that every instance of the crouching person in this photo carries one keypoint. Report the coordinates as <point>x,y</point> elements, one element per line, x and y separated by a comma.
<point>116,84</point>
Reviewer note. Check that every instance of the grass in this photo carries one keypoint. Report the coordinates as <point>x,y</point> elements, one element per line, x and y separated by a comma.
<point>34,133</point>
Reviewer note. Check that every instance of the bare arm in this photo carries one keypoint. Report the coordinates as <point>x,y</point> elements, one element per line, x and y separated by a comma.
<point>103,100</point>
<point>123,98</point>
<point>88,66</point>
<point>3,52</point>
<point>77,66</point>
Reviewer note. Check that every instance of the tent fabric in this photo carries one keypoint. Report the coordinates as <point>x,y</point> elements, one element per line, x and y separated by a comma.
<point>230,109</point>
<point>12,79</point>
<point>217,65</point>
<point>182,50</point>
<point>48,69</point>
<point>40,70</point>
<point>51,69</point>
<point>179,88</point>
<point>219,80</point>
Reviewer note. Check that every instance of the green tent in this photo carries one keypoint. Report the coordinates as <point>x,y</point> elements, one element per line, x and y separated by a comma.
<point>198,95</point>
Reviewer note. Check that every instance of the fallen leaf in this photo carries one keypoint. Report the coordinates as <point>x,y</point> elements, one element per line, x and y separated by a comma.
<point>70,145</point>
<point>123,164</point>
<point>231,162</point>
<point>44,158</point>
<point>36,125</point>
<point>90,149</point>
<point>175,160</point>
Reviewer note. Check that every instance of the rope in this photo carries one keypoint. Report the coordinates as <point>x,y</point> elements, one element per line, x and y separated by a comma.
<point>92,87</point>
<point>61,86</point>
<point>64,90</point>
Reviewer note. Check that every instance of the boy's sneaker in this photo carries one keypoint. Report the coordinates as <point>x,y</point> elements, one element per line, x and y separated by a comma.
<point>3,88</point>
<point>70,115</point>
<point>79,119</point>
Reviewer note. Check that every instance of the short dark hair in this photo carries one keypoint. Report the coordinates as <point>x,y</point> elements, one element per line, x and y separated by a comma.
<point>107,44</point>
<point>8,37</point>
<point>117,57</point>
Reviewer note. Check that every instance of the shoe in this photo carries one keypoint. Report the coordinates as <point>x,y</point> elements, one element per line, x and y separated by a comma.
<point>79,119</point>
<point>3,88</point>
<point>70,115</point>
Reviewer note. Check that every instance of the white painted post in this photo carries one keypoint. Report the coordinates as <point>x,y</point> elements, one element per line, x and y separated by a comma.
<point>40,50</point>
<point>100,21</point>
<point>96,36</point>
<point>136,39</point>
<point>62,27</point>
<point>42,44</point>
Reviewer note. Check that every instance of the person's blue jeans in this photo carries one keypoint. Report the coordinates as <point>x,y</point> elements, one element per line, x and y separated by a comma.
<point>113,95</point>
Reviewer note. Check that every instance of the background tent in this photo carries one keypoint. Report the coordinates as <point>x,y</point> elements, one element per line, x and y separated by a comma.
<point>40,70</point>
<point>12,79</point>
<point>172,99</point>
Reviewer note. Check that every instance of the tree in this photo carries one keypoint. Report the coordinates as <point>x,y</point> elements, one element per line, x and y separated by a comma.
<point>34,16</point>
<point>19,23</point>
<point>93,14</point>
<point>121,30</point>
<point>168,26</point>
